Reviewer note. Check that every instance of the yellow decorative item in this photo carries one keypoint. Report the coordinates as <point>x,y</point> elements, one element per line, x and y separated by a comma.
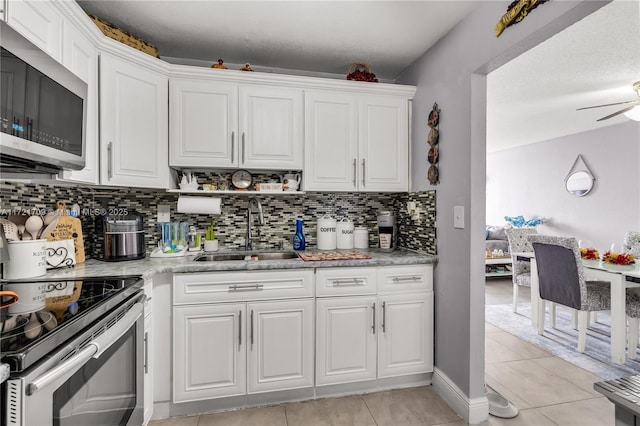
<point>124,37</point>
<point>219,65</point>
<point>618,258</point>
<point>589,253</point>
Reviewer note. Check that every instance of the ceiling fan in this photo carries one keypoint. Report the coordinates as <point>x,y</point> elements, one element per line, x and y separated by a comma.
<point>631,104</point>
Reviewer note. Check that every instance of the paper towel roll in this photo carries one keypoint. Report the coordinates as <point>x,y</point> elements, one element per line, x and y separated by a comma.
<point>203,205</point>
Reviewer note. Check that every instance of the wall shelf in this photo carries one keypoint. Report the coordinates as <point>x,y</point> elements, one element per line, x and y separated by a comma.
<point>202,192</point>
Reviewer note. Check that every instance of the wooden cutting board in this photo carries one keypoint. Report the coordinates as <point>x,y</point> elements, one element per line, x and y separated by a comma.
<point>68,227</point>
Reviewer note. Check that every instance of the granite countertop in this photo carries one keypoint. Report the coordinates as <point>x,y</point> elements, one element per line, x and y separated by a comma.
<point>148,266</point>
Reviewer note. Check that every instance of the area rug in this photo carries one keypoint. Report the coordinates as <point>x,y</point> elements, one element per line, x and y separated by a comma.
<point>563,340</point>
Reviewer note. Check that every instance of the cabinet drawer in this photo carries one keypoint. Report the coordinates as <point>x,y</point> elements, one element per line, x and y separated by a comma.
<point>345,281</point>
<point>405,278</point>
<point>238,286</point>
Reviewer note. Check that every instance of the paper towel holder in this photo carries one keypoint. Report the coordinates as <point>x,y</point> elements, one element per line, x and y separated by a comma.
<point>198,205</point>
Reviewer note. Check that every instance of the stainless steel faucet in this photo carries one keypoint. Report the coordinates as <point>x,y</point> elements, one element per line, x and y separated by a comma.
<point>249,239</point>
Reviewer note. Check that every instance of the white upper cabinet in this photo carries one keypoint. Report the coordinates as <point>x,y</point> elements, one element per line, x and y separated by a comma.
<point>331,150</point>
<point>39,21</point>
<point>219,124</point>
<point>356,142</point>
<point>383,143</point>
<point>81,57</point>
<point>133,124</point>
<point>271,128</point>
<point>203,123</point>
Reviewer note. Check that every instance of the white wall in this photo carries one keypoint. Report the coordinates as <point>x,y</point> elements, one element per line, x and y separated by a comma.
<point>529,181</point>
<point>453,73</point>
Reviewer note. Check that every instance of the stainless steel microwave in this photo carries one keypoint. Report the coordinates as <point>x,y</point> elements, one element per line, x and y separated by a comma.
<point>43,110</point>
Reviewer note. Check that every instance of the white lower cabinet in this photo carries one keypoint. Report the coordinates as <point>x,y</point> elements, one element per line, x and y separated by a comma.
<point>346,340</point>
<point>280,347</point>
<point>405,340</point>
<point>364,337</point>
<point>246,345</point>
<point>209,351</point>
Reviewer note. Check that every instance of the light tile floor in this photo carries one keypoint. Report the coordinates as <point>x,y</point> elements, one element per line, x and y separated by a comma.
<point>547,390</point>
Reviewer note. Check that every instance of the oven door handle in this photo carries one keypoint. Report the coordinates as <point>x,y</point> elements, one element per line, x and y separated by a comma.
<point>93,349</point>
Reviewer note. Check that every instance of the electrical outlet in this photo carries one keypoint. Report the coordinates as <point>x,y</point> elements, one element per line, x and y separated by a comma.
<point>458,217</point>
<point>164,213</point>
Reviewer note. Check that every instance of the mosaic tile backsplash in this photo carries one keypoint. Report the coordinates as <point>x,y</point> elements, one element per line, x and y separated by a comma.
<point>280,212</point>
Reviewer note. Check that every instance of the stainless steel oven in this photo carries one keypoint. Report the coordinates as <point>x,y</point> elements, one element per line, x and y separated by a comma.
<point>96,377</point>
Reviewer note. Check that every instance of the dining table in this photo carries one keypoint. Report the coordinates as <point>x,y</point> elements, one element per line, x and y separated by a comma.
<point>620,278</point>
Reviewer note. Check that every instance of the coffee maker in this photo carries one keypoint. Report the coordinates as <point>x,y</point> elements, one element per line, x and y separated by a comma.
<point>387,231</point>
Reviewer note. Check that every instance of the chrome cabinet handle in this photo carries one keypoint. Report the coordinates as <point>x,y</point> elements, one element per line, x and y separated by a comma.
<point>353,281</point>
<point>109,160</point>
<point>236,287</point>
<point>146,352</point>
<point>363,168</point>
<point>239,329</point>
<point>233,145</point>
<point>400,279</point>
<point>243,159</point>
<point>251,319</point>
<point>373,309</point>
<point>384,316</point>
<point>354,172</point>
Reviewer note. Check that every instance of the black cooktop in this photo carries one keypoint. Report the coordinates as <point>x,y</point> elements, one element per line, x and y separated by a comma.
<point>57,310</point>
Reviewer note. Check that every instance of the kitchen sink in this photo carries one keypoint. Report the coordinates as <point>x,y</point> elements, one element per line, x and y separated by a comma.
<point>220,257</point>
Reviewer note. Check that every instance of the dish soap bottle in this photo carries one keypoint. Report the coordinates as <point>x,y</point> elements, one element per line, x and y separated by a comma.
<point>299,242</point>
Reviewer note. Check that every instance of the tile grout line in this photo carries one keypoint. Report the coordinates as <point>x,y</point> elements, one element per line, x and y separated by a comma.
<point>369,410</point>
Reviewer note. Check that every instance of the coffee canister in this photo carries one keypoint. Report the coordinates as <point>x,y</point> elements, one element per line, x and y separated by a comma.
<point>326,233</point>
<point>361,237</point>
<point>344,231</point>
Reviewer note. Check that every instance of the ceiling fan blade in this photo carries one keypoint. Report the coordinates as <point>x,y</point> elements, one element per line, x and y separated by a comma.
<point>630,107</point>
<point>604,105</point>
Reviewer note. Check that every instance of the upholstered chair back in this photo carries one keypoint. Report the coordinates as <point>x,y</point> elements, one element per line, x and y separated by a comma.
<point>560,273</point>
<point>518,242</point>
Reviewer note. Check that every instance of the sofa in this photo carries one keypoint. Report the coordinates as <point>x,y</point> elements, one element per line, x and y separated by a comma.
<point>496,238</point>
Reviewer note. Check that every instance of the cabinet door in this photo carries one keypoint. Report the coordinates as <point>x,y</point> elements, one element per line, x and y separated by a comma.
<point>203,123</point>
<point>280,345</point>
<point>81,57</point>
<point>209,352</point>
<point>133,125</point>
<point>346,339</point>
<point>271,128</point>
<point>405,339</point>
<point>39,22</point>
<point>331,149</point>
<point>383,143</point>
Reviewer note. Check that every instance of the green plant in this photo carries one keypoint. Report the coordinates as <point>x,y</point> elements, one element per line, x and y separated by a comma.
<point>210,234</point>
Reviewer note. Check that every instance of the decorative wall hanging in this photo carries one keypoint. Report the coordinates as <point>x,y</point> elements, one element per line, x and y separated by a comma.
<point>516,12</point>
<point>434,137</point>
<point>579,182</point>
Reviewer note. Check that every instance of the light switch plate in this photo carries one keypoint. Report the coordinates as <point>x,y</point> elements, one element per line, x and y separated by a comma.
<point>458,217</point>
<point>164,213</point>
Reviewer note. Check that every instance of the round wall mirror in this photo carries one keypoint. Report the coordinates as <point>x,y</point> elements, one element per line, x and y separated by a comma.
<point>579,183</point>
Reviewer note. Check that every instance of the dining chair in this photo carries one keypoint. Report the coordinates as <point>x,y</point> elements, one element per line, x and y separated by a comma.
<point>631,243</point>
<point>633,320</point>
<point>521,274</point>
<point>561,280</point>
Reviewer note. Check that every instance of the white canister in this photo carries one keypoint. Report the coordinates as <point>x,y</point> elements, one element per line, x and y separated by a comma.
<point>361,237</point>
<point>326,233</point>
<point>28,259</point>
<point>344,231</point>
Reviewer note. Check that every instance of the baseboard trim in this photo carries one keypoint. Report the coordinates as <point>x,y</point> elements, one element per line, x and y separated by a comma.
<point>472,411</point>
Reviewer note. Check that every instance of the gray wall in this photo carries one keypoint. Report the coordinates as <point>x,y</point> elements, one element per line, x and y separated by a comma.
<point>452,73</point>
<point>529,181</point>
